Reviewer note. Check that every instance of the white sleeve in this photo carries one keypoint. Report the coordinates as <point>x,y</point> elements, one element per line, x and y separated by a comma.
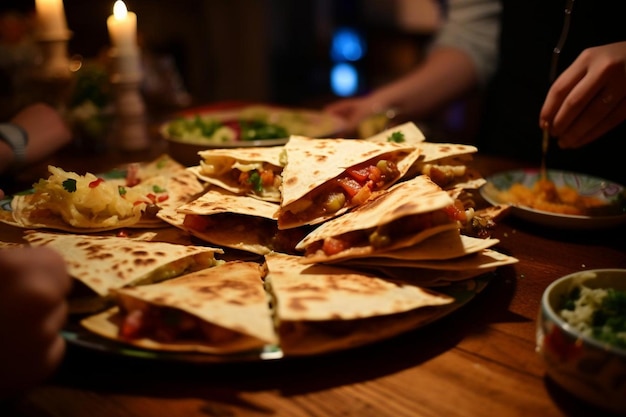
<point>474,27</point>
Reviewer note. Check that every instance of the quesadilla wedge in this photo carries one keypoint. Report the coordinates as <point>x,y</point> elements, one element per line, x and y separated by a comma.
<point>219,310</point>
<point>87,203</point>
<point>323,308</point>
<point>102,263</point>
<point>255,172</point>
<point>324,178</point>
<point>402,216</point>
<point>235,221</point>
<point>448,165</point>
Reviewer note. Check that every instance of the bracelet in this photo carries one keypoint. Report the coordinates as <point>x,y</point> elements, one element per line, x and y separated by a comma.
<point>17,138</point>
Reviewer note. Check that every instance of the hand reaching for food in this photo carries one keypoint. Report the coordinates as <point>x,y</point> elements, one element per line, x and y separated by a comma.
<point>589,98</point>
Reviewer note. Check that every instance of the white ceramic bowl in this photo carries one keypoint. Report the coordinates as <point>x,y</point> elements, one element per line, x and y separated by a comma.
<point>590,369</point>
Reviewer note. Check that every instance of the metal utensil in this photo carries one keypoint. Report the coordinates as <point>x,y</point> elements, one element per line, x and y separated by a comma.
<point>556,52</point>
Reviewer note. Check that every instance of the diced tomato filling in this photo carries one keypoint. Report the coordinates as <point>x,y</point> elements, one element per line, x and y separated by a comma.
<point>95,183</point>
<point>357,184</point>
<point>132,325</point>
<point>255,179</point>
<point>199,223</point>
<point>132,175</point>
<point>456,212</point>
<point>332,246</point>
<point>350,186</point>
<point>168,325</point>
<point>267,177</point>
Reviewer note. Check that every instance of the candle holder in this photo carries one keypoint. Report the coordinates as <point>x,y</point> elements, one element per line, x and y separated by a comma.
<point>130,132</point>
<point>52,76</point>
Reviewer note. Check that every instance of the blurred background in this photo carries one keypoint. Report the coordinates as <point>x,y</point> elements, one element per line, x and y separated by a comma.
<point>302,53</point>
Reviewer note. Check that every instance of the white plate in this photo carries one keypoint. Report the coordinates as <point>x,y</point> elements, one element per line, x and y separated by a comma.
<point>296,121</point>
<point>611,193</point>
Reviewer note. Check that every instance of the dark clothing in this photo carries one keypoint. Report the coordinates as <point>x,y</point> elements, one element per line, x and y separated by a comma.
<point>530,31</point>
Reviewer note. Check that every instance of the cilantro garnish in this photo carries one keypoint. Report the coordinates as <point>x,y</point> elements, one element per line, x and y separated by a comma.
<point>69,185</point>
<point>255,180</point>
<point>397,137</point>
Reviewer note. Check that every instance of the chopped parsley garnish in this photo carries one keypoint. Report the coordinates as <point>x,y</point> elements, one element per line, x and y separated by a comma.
<point>255,180</point>
<point>121,189</point>
<point>158,189</point>
<point>397,137</point>
<point>69,185</point>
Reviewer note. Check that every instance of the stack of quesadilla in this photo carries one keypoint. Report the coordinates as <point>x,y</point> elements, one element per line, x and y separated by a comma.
<point>100,264</point>
<point>323,308</point>
<point>324,178</point>
<point>413,224</point>
<point>218,310</point>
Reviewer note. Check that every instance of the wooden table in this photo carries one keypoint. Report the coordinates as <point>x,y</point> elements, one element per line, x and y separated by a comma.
<point>478,361</point>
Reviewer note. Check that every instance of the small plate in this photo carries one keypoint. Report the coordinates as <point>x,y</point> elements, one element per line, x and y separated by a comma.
<point>612,193</point>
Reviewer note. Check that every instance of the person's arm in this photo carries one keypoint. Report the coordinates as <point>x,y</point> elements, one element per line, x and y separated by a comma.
<point>45,132</point>
<point>462,57</point>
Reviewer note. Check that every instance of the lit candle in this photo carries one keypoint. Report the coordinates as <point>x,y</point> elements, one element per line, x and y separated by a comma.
<point>51,19</point>
<point>123,29</point>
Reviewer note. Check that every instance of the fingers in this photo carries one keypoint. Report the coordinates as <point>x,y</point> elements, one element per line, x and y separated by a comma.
<point>587,100</point>
<point>587,130</point>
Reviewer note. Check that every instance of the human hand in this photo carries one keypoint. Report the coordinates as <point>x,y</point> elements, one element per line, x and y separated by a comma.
<point>33,287</point>
<point>353,111</point>
<point>589,98</point>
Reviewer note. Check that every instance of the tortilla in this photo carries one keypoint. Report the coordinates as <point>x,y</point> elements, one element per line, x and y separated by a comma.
<point>317,172</point>
<point>448,165</point>
<point>424,277</point>
<point>228,301</point>
<point>324,308</point>
<point>234,221</point>
<point>404,133</point>
<point>382,223</point>
<point>70,202</point>
<point>485,259</point>
<point>103,263</point>
<point>231,169</point>
<point>448,244</point>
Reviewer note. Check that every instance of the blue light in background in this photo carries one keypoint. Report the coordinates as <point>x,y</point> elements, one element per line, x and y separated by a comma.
<point>344,79</point>
<point>347,45</point>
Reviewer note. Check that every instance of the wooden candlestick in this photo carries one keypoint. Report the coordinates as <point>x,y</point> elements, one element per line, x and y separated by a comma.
<point>130,132</point>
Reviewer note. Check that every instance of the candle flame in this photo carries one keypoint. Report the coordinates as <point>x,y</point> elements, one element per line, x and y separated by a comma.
<point>119,10</point>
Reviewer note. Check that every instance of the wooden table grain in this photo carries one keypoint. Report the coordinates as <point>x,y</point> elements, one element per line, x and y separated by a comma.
<point>478,361</point>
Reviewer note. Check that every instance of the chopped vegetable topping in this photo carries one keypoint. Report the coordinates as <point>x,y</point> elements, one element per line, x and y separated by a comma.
<point>69,185</point>
<point>397,137</point>
<point>95,183</point>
